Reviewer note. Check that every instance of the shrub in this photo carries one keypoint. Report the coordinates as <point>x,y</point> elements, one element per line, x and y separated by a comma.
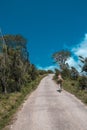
<point>82,82</point>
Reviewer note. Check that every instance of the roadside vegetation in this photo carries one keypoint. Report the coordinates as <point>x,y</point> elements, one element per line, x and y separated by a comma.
<point>9,103</point>
<point>18,76</point>
<point>74,82</point>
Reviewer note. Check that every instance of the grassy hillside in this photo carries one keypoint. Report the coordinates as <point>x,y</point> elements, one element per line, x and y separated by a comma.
<point>72,87</point>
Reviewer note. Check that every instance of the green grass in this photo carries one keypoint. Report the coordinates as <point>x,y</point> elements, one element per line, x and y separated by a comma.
<point>72,87</point>
<point>9,103</point>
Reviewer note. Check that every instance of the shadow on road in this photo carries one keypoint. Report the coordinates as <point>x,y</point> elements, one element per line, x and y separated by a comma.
<point>59,91</point>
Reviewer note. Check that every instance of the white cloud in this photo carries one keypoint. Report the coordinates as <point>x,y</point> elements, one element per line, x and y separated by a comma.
<point>72,62</point>
<point>81,49</point>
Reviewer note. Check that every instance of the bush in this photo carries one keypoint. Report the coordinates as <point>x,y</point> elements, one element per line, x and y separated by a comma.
<point>66,73</point>
<point>82,83</point>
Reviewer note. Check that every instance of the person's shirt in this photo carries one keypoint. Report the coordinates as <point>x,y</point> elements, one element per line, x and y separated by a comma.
<point>59,76</point>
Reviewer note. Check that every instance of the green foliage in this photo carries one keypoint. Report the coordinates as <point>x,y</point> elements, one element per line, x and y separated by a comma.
<point>10,102</point>
<point>65,73</point>
<point>42,72</point>
<point>15,67</point>
<point>84,61</point>
<point>82,83</point>
<point>72,87</point>
<point>50,72</point>
<point>73,81</point>
<point>61,58</point>
<point>74,73</point>
<point>57,72</point>
<point>34,72</point>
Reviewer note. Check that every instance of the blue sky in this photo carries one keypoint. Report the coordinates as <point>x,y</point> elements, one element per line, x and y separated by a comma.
<point>48,26</point>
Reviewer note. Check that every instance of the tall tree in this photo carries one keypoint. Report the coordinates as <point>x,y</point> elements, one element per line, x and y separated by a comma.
<point>17,42</point>
<point>74,73</point>
<point>61,58</point>
<point>14,62</point>
<point>84,63</point>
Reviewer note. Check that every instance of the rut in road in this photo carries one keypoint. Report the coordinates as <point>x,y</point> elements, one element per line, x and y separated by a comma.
<point>47,109</point>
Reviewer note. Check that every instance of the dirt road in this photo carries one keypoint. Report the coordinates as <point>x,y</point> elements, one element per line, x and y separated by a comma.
<point>47,109</point>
